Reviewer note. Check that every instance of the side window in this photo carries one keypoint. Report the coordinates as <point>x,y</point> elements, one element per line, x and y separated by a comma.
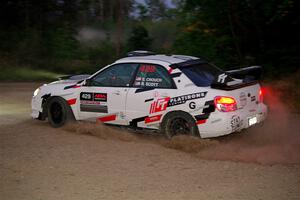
<point>118,75</point>
<point>150,75</point>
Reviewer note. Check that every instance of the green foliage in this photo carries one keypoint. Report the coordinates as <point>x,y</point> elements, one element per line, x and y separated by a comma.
<point>139,39</point>
<point>232,33</point>
<point>245,32</point>
<point>61,44</point>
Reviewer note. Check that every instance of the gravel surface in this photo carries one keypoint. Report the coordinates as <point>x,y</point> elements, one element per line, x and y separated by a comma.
<point>92,161</point>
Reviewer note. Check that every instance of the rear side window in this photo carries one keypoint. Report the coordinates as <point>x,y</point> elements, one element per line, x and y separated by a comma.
<point>201,75</point>
<point>153,76</point>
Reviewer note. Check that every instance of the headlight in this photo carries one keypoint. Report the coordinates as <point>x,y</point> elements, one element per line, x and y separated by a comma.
<point>36,92</point>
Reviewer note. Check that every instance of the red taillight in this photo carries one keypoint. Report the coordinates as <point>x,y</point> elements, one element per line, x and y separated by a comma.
<point>260,96</point>
<point>225,104</point>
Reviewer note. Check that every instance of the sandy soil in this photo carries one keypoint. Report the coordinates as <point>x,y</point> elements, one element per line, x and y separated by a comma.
<point>92,161</point>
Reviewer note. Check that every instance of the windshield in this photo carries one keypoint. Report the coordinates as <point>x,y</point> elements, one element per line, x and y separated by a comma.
<point>201,75</point>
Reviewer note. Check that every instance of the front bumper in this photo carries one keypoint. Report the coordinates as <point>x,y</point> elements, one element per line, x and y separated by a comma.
<point>220,123</point>
<point>36,108</point>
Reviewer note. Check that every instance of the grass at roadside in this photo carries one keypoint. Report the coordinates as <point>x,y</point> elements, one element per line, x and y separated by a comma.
<point>26,74</point>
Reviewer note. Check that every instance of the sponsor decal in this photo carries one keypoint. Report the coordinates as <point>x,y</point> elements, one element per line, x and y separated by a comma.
<point>159,105</point>
<point>93,108</point>
<point>90,102</point>
<point>236,123</point>
<point>182,99</point>
<point>100,97</point>
<point>86,96</point>
<point>222,77</point>
<point>148,82</point>
<point>93,102</point>
<point>192,105</point>
<point>243,99</point>
<point>147,68</point>
<point>152,119</point>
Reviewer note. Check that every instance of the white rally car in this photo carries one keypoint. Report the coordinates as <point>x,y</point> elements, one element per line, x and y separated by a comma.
<point>175,94</point>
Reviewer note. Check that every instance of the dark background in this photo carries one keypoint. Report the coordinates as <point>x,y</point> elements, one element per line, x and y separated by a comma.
<point>41,38</point>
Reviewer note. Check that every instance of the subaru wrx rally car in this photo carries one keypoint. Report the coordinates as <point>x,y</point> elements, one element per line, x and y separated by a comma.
<point>174,94</point>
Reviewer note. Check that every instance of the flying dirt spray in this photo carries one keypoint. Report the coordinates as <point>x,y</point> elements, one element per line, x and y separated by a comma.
<point>277,141</point>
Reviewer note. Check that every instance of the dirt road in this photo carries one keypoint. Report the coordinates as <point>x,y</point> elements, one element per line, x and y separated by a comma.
<point>92,161</point>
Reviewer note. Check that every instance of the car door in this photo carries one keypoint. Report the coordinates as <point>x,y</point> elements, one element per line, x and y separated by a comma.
<point>104,97</point>
<point>148,98</point>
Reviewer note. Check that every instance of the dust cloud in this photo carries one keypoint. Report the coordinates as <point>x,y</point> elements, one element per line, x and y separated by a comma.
<point>276,141</point>
<point>89,36</point>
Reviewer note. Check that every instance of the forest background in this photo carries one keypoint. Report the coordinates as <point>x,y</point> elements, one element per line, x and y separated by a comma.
<point>40,39</point>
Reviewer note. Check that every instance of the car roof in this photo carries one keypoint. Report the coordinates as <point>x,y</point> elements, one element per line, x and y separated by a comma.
<point>170,59</point>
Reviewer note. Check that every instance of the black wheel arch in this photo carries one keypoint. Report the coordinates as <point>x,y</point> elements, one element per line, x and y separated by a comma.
<point>184,115</point>
<point>45,101</point>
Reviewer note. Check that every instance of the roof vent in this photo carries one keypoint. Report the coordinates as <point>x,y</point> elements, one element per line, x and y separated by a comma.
<point>140,53</point>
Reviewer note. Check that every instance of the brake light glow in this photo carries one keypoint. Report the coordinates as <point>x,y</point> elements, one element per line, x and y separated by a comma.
<point>260,96</point>
<point>225,104</point>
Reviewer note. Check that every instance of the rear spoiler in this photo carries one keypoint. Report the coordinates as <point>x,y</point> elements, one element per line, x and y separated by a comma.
<point>238,78</point>
<point>247,73</point>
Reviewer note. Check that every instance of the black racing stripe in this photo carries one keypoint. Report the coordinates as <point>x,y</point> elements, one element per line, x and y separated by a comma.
<point>69,87</point>
<point>143,90</point>
<point>136,120</point>
<point>202,116</point>
<point>176,75</point>
<point>93,108</point>
<point>210,108</point>
<point>149,100</point>
<point>206,111</point>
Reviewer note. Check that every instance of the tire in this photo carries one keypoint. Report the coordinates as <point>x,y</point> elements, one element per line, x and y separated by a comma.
<point>179,123</point>
<point>59,112</point>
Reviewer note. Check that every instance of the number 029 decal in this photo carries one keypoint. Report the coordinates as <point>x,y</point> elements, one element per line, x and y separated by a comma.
<point>93,102</point>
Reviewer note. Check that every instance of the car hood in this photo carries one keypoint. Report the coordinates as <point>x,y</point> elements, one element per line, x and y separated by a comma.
<point>64,86</point>
<point>71,79</point>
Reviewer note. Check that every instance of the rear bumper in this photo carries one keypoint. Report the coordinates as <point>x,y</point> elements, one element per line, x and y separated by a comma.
<point>220,123</point>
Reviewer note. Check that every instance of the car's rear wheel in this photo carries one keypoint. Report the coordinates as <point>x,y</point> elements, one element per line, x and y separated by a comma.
<point>59,112</point>
<point>179,123</point>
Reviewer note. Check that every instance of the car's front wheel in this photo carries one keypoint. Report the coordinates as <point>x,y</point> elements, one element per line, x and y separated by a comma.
<point>59,112</point>
<point>179,123</point>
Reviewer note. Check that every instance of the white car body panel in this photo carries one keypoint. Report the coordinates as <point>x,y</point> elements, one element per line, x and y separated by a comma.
<point>146,109</point>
